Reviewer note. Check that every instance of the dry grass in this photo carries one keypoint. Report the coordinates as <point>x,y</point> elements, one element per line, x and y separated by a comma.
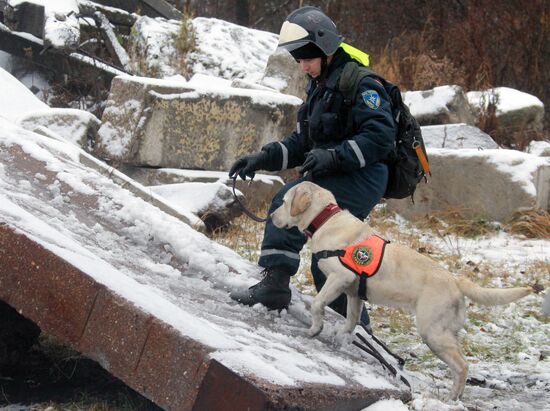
<point>456,51</point>
<point>185,41</point>
<point>243,235</point>
<point>530,223</point>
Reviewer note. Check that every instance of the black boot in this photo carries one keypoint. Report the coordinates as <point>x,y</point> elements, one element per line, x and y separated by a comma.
<point>273,291</point>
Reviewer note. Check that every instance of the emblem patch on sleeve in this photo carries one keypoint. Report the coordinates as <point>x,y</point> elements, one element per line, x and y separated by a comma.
<point>371,99</point>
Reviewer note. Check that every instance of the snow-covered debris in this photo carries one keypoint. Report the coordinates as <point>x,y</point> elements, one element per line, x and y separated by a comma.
<point>221,49</point>
<point>282,74</point>
<point>111,41</point>
<point>514,109</point>
<point>77,126</point>
<point>61,25</point>
<point>205,124</point>
<point>213,202</point>
<point>164,267</point>
<point>492,184</point>
<point>230,51</point>
<point>19,105</point>
<point>456,136</point>
<point>539,148</point>
<point>154,48</point>
<point>16,100</point>
<point>440,105</point>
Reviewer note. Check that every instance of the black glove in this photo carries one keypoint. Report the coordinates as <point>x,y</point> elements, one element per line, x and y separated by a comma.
<point>247,165</point>
<point>320,162</point>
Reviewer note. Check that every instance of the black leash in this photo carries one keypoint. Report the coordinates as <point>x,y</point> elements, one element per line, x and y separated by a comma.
<point>367,347</point>
<point>243,207</point>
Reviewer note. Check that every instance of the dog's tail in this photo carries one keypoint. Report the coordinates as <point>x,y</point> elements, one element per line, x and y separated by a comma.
<point>491,296</point>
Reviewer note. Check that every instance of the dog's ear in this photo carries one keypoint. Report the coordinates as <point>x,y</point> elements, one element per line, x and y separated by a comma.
<point>300,202</point>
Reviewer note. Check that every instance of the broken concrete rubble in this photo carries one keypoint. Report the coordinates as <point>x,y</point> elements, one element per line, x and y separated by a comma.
<point>440,105</point>
<point>202,128</point>
<point>140,293</point>
<point>257,193</point>
<point>514,109</point>
<point>479,184</point>
<point>456,136</point>
<point>77,126</point>
<point>281,74</point>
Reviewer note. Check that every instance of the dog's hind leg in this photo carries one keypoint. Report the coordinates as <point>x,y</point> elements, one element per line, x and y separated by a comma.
<point>445,345</point>
<point>333,287</point>
<point>440,315</point>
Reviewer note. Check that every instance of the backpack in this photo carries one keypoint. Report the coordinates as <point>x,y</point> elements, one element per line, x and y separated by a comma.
<point>408,162</point>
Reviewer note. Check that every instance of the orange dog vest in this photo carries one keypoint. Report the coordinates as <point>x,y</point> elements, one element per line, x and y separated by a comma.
<point>363,258</point>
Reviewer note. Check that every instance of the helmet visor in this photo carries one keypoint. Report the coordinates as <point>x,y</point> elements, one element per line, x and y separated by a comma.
<point>293,36</point>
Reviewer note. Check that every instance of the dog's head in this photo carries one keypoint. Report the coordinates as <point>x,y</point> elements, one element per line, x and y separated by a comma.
<point>301,204</point>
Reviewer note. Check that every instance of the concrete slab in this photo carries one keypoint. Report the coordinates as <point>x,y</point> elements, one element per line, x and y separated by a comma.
<point>146,296</point>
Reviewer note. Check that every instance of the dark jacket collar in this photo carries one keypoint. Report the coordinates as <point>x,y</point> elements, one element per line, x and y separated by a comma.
<point>339,59</point>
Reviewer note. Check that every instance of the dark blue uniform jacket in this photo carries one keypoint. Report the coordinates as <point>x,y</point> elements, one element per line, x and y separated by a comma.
<point>323,123</point>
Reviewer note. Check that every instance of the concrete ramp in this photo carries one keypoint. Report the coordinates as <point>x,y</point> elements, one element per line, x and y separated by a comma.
<point>146,296</point>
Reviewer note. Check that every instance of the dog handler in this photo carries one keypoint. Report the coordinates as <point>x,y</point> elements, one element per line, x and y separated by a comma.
<point>340,153</point>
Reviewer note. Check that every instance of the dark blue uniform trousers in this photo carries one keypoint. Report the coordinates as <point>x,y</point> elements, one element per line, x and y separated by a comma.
<point>358,192</point>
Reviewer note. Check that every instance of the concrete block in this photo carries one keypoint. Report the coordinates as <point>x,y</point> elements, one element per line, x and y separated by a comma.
<point>492,184</point>
<point>44,288</point>
<point>77,126</point>
<point>440,105</point>
<point>456,136</point>
<point>205,128</point>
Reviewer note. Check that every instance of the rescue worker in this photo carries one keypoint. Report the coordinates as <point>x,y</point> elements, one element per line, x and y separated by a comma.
<point>344,155</point>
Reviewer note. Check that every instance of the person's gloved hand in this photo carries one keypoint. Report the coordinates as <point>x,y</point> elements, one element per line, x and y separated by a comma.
<point>320,162</point>
<point>247,165</point>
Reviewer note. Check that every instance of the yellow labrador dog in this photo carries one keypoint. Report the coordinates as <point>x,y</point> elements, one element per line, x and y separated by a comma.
<point>405,279</point>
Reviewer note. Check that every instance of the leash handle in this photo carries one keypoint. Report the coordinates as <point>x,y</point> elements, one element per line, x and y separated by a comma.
<point>243,207</point>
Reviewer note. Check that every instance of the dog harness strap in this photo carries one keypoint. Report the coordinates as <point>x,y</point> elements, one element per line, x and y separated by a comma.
<point>321,218</point>
<point>328,253</point>
<point>362,291</point>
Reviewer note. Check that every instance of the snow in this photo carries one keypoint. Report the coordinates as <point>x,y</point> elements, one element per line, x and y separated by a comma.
<point>193,197</point>
<point>387,405</point>
<point>507,99</point>
<point>519,165</point>
<point>459,135</point>
<point>222,49</point>
<point>16,100</point>
<point>245,56</point>
<point>61,25</point>
<point>205,84</point>
<point>128,245</point>
<point>426,102</point>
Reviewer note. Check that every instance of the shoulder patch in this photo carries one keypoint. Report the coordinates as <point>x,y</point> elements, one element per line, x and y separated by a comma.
<point>371,99</point>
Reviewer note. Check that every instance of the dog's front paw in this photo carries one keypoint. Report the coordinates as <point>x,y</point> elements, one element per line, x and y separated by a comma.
<point>313,331</point>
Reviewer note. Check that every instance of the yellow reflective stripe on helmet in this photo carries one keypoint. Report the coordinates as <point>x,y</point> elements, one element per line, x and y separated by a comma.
<point>356,54</point>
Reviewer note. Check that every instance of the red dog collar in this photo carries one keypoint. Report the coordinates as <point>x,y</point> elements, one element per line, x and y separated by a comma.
<point>321,219</point>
